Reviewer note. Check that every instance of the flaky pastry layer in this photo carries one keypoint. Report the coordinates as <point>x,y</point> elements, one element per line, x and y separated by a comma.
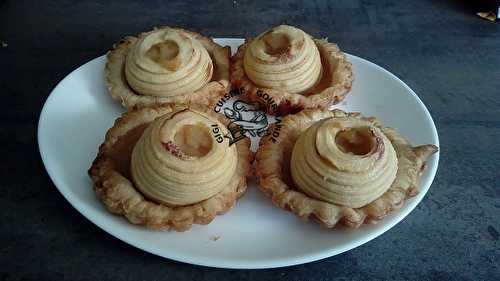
<point>273,173</point>
<point>112,183</point>
<point>336,82</point>
<point>120,90</point>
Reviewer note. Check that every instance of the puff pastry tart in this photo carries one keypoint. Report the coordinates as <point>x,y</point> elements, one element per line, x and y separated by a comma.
<point>337,167</point>
<point>290,70</point>
<point>170,167</point>
<point>167,65</point>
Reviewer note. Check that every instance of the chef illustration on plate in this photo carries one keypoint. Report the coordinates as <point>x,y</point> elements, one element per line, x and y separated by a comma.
<point>249,118</point>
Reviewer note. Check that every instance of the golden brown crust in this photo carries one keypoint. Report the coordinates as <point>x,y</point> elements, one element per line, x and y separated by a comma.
<point>117,192</point>
<point>272,169</point>
<point>336,81</point>
<point>119,89</point>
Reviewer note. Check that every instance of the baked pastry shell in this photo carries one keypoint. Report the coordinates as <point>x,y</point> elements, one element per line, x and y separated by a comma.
<point>273,174</point>
<point>110,174</point>
<point>336,82</point>
<point>120,90</point>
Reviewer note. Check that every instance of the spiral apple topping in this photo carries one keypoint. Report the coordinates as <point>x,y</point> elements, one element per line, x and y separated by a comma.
<point>178,162</point>
<point>166,62</point>
<point>284,58</point>
<point>345,161</point>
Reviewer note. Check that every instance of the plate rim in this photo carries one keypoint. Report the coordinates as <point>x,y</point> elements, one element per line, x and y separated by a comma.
<point>249,264</point>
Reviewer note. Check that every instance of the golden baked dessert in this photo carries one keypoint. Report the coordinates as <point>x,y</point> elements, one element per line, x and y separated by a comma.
<point>337,167</point>
<point>167,65</point>
<point>168,167</point>
<point>289,70</point>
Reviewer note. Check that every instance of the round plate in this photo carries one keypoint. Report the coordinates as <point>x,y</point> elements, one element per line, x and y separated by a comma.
<point>254,234</point>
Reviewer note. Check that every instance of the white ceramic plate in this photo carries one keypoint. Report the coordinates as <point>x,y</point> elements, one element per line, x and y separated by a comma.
<point>254,234</point>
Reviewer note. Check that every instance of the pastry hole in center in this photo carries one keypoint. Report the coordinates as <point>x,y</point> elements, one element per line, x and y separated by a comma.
<point>357,141</point>
<point>276,43</point>
<point>193,140</point>
<point>165,54</point>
